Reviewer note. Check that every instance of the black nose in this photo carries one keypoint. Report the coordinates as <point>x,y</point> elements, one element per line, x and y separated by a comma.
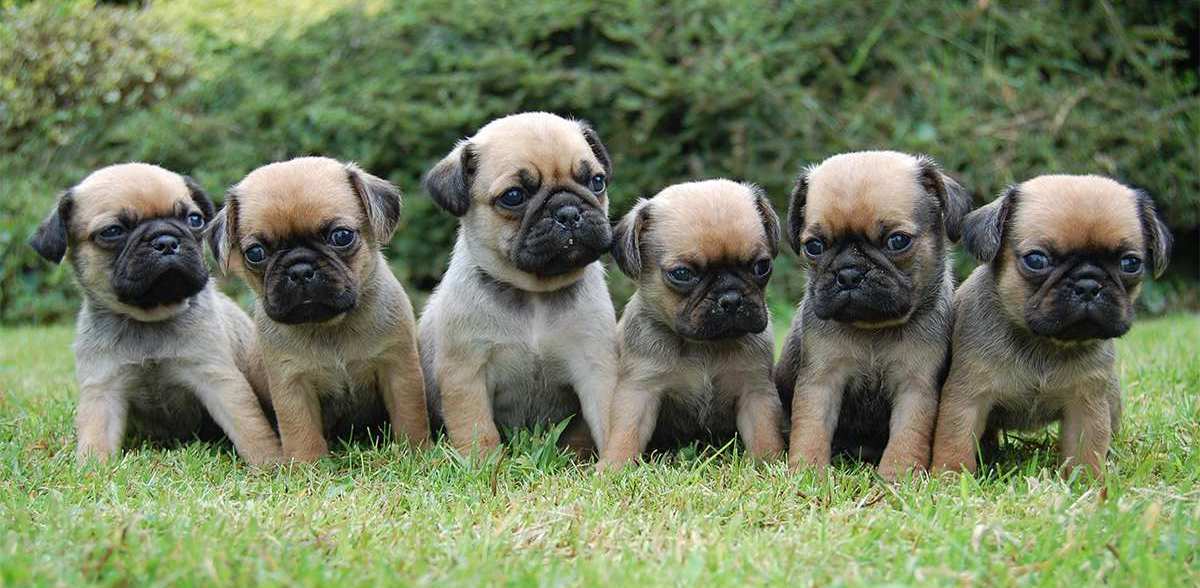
<point>1087,289</point>
<point>165,244</point>
<point>568,216</point>
<point>850,277</point>
<point>729,301</point>
<point>301,273</point>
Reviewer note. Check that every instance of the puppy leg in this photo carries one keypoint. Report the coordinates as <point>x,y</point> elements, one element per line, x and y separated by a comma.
<point>760,422</point>
<point>593,370</point>
<point>232,403</point>
<point>403,388</point>
<point>914,409</point>
<point>632,419</point>
<point>467,406</point>
<point>100,423</point>
<point>962,419</point>
<point>1086,433</point>
<point>298,410</point>
<point>815,411</point>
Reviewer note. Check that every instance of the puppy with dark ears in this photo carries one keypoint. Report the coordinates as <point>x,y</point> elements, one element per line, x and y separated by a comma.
<point>337,330</point>
<point>861,365</point>
<point>157,348</point>
<point>696,345</point>
<point>1063,259</point>
<point>521,331</point>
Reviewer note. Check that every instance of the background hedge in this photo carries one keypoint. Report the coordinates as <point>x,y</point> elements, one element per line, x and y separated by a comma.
<point>679,89</point>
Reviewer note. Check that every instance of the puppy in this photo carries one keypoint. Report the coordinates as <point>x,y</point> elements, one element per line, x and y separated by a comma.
<point>862,362</point>
<point>696,347</point>
<point>157,348</point>
<point>336,328</point>
<point>521,330</point>
<point>1063,262</point>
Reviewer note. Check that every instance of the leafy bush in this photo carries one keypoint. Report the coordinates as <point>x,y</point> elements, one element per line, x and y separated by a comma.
<point>695,88</point>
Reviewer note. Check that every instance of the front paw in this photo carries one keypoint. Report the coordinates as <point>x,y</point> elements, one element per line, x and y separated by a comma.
<point>479,447</point>
<point>892,468</point>
<point>806,458</point>
<point>87,454</point>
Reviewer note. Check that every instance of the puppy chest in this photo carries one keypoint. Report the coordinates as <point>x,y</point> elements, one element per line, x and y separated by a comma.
<point>698,405</point>
<point>528,388</point>
<point>163,406</point>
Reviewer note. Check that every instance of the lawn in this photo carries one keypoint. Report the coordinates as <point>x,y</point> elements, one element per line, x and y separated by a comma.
<point>194,515</point>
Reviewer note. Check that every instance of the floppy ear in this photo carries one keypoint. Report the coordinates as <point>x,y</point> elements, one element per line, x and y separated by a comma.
<point>795,214</point>
<point>449,182</point>
<point>221,233</point>
<point>983,229</point>
<point>627,239</point>
<point>598,148</point>
<point>1156,234</point>
<point>770,220</point>
<point>380,199</point>
<point>200,198</point>
<point>50,239</point>
<point>954,199</point>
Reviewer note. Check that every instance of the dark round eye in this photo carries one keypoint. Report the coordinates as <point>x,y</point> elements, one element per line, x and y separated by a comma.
<point>1131,264</point>
<point>681,275</point>
<point>112,232</point>
<point>898,242</point>
<point>814,247</point>
<point>256,254</point>
<point>1036,261</point>
<point>341,237</point>
<point>762,268</point>
<point>513,197</point>
<point>195,220</point>
<point>598,184</point>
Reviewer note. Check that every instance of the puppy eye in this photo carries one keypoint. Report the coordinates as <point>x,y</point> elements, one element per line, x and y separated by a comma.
<point>598,184</point>
<point>1131,264</point>
<point>762,268</point>
<point>899,242</point>
<point>512,198</point>
<point>814,247</point>
<point>112,232</point>
<point>681,275</point>
<point>256,254</point>
<point>1036,261</point>
<point>341,237</point>
<point>195,220</point>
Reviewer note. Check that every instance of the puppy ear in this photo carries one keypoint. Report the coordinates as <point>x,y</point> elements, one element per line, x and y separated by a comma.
<point>598,148</point>
<point>200,197</point>
<point>380,199</point>
<point>221,232</point>
<point>770,220</point>
<point>449,182</point>
<point>983,229</point>
<point>1156,234</point>
<point>795,214</point>
<point>627,239</point>
<point>955,200</point>
<point>50,239</point>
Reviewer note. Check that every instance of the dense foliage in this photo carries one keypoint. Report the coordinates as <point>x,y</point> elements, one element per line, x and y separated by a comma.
<point>678,89</point>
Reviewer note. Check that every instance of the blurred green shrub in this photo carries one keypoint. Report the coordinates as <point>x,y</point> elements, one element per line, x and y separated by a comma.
<point>684,89</point>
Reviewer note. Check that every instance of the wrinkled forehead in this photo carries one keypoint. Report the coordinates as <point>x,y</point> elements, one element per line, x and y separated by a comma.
<point>132,191</point>
<point>296,201</point>
<point>1066,213</point>
<point>708,222</point>
<point>861,196</point>
<point>547,151</point>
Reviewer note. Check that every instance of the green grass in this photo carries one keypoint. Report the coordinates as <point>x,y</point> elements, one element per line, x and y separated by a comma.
<point>194,515</point>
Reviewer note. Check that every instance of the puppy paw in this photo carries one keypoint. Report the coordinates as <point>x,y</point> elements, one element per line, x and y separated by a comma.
<point>87,455</point>
<point>611,465</point>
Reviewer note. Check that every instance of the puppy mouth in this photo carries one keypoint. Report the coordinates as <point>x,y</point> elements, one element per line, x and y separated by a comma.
<point>563,236</point>
<point>862,308</point>
<point>163,285</point>
<point>1085,322</point>
<point>716,325</point>
<point>312,310</point>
